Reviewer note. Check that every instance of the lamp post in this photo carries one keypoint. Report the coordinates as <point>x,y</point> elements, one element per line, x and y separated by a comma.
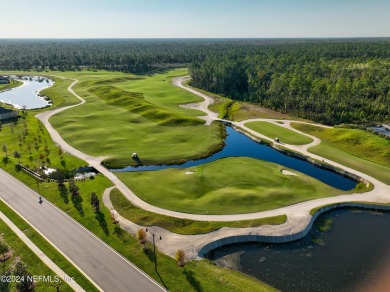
<point>154,247</point>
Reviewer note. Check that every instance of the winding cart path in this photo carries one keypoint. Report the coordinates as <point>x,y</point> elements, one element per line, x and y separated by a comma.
<point>298,215</point>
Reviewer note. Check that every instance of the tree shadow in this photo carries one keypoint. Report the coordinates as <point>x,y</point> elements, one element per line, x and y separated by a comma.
<point>192,280</point>
<point>5,286</point>
<point>118,231</point>
<point>138,161</point>
<point>77,203</point>
<point>64,193</point>
<point>5,160</point>
<point>149,253</point>
<point>102,222</point>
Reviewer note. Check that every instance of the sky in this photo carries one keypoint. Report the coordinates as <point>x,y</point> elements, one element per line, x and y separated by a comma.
<point>194,19</point>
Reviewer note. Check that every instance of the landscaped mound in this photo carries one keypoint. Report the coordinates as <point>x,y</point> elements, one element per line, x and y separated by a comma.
<point>226,186</point>
<point>135,103</point>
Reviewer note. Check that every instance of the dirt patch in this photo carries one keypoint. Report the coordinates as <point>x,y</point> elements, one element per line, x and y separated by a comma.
<point>251,111</point>
<point>6,256</point>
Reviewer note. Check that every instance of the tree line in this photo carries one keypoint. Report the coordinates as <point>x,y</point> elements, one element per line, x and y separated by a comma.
<point>326,81</point>
<point>331,81</point>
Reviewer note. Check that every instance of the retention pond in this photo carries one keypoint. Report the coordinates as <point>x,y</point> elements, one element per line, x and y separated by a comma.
<point>238,144</point>
<point>346,250</point>
<point>27,95</point>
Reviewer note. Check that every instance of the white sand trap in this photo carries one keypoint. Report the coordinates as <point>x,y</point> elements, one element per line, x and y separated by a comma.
<point>287,172</point>
<point>189,172</point>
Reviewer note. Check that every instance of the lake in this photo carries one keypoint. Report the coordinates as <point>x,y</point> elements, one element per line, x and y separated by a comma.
<point>238,144</point>
<point>27,94</point>
<point>354,255</point>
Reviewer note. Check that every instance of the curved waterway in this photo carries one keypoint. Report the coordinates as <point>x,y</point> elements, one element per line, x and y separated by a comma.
<point>27,94</point>
<point>354,255</point>
<point>237,144</point>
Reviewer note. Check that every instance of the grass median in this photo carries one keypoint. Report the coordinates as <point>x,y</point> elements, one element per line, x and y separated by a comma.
<point>35,265</point>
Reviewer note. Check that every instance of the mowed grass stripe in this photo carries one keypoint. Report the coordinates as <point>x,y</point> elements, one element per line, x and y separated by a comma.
<point>101,129</point>
<point>135,103</point>
<point>285,135</point>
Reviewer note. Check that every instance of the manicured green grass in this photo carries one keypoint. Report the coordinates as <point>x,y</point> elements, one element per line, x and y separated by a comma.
<point>177,225</point>
<point>35,265</point>
<point>227,186</point>
<point>338,155</point>
<point>120,131</point>
<point>285,135</point>
<point>195,276</point>
<point>358,149</point>
<point>59,93</point>
<point>135,103</point>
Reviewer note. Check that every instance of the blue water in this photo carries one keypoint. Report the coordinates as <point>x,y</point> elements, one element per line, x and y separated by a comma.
<point>27,95</point>
<point>237,144</point>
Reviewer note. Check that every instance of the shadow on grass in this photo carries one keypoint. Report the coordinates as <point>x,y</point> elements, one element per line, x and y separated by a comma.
<point>64,193</point>
<point>77,203</point>
<point>118,231</point>
<point>138,161</point>
<point>102,222</point>
<point>192,280</point>
<point>5,160</point>
<point>4,286</point>
<point>149,253</point>
<point>162,281</point>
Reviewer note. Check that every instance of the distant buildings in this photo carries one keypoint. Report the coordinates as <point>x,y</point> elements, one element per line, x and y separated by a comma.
<point>7,114</point>
<point>4,80</point>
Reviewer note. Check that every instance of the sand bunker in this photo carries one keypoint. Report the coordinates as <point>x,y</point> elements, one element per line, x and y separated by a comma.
<point>287,172</point>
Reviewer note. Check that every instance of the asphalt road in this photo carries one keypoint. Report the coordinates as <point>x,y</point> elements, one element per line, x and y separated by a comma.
<point>109,270</point>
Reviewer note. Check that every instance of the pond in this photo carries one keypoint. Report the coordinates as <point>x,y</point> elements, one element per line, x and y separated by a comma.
<point>238,144</point>
<point>27,95</point>
<point>354,255</point>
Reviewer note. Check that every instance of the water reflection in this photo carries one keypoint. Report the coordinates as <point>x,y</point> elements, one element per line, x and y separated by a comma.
<point>27,95</point>
<point>237,144</point>
<point>353,255</point>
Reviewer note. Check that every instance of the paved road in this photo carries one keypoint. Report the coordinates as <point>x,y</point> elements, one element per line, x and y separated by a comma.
<point>105,267</point>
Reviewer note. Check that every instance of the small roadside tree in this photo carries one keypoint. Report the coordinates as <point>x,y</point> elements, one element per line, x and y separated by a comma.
<point>95,202</point>
<point>73,188</point>
<point>4,248</point>
<point>26,282</point>
<point>5,149</point>
<point>141,235</point>
<point>60,152</point>
<point>60,178</point>
<point>17,155</point>
<point>180,257</point>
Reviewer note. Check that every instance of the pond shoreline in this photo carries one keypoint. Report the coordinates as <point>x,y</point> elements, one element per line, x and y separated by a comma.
<point>278,239</point>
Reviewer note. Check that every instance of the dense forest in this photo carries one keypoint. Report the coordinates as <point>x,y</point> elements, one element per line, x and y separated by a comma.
<point>328,82</point>
<point>331,81</point>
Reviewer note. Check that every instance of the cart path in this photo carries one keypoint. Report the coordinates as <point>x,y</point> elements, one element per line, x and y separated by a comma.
<point>298,214</point>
